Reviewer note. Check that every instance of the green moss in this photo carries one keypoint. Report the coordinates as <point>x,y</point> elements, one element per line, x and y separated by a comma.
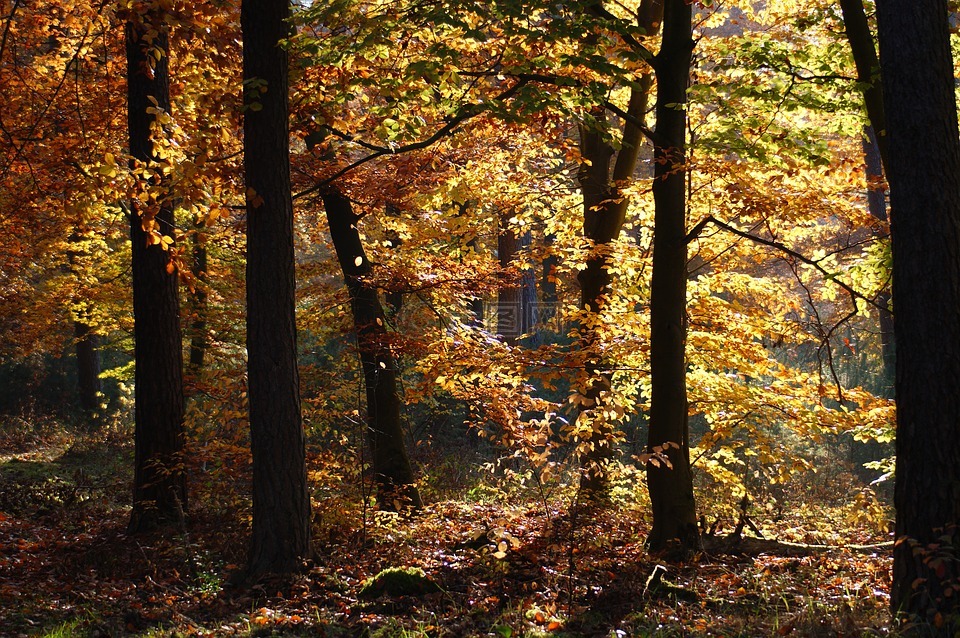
<point>399,581</point>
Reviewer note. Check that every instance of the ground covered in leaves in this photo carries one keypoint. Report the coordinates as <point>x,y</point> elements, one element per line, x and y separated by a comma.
<point>489,562</point>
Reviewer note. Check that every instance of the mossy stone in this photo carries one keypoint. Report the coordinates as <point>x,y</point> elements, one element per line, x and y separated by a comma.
<point>399,581</point>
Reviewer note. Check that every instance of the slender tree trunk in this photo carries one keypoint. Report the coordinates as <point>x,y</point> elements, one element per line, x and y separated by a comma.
<point>604,213</point>
<point>868,71</point>
<point>159,489</point>
<point>671,488</point>
<point>87,348</point>
<point>396,483</point>
<point>875,145</point>
<point>924,176</point>
<point>281,503</point>
<point>549,295</point>
<point>510,324</point>
<point>877,205</point>
<point>88,367</point>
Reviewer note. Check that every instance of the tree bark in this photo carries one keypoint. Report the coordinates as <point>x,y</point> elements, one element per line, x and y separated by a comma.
<point>396,483</point>
<point>877,205</point>
<point>88,368</point>
<point>159,489</point>
<point>671,488</point>
<point>868,71</point>
<point>604,213</point>
<point>514,306</point>
<point>875,146</point>
<point>924,177</point>
<point>281,503</point>
<point>87,349</point>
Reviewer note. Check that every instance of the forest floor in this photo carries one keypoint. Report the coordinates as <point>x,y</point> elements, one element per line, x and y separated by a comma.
<point>494,563</point>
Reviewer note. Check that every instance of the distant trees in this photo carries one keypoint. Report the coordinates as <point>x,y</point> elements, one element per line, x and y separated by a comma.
<point>924,176</point>
<point>281,504</point>
<point>159,491</point>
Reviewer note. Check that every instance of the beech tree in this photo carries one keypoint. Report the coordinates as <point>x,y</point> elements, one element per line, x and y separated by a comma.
<point>670,484</point>
<point>396,484</point>
<point>920,104</point>
<point>281,503</point>
<point>159,490</point>
<point>603,176</point>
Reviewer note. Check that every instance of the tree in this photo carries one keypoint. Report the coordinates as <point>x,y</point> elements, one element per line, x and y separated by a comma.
<point>670,484</point>
<point>920,104</point>
<point>159,491</point>
<point>281,503</point>
<point>515,299</point>
<point>875,145</point>
<point>396,483</point>
<point>604,212</point>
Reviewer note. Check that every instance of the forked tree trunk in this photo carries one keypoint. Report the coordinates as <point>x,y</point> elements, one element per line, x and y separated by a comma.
<point>924,176</point>
<point>159,489</point>
<point>281,504</point>
<point>671,487</point>
<point>396,483</point>
<point>604,213</point>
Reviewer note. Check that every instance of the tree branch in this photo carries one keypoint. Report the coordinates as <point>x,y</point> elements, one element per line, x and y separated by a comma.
<point>464,113</point>
<point>770,243</point>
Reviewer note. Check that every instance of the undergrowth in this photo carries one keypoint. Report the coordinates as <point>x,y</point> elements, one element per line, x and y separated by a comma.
<point>508,557</point>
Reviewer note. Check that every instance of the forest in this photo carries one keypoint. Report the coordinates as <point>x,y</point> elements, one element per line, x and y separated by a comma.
<point>442,318</point>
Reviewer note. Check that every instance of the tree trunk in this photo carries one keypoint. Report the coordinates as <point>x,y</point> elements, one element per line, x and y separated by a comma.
<point>87,348</point>
<point>924,177</point>
<point>548,307</point>
<point>281,503</point>
<point>510,310</point>
<point>159,488</point>
<point>671,488</point>
<point>868,71</point>
<point>875,146</point>
<point>877,205</point>
<point>88,368</point>
<point>396,483</point>
<point>604,213</point>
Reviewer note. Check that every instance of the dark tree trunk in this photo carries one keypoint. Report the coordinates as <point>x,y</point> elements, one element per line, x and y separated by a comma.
<point>281,503</point>
<point>528,295</point>
<point>88,367</point>
<point>510,309</point>
<point>604,213</point>
<point>671,488</point>
<point>877,205</point>
<point>198,315</point>
<point>868,70</point>
<point>159,488</point>
<point>875,146</point>
<point>396,483</point>
<point>924,177</point>
<point>87,348</point>
<point>549,295</point>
